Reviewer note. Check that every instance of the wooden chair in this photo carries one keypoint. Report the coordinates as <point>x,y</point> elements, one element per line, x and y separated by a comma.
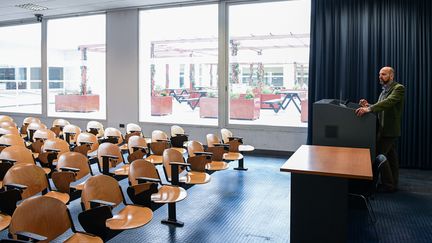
<point>144,179</point>
<point>44,219</point>
<point>43,134</point>
<point>31,129</point>
<point>174,165</point>
<point>99,195</point>
<point>30,119</point>
<point>51,150</point>
<point>161,136</point>
<point>233,150</point>
<point>71,167</point>
<point>11,139</point>
<point>110,156</point>
<point>17,154</point>
<point>6,118</point>
<point>32,180</point>
<point>227,136</point>
<point>9,130</point>
<point>114,134</point>
<point>87,144</point>
<point>8,124</point>
<point>213,162</point>
<point>137,148</point>
<point>178,138</point>
<point>70,133</point>
<point>96,128</point>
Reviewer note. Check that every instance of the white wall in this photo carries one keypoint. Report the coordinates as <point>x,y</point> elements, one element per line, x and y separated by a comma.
<point>122,93</point>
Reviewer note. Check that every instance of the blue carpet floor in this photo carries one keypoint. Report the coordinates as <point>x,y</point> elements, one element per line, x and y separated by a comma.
<point>254,206</point>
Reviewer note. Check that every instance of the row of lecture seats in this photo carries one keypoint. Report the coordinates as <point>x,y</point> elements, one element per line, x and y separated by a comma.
<point>34,155</point>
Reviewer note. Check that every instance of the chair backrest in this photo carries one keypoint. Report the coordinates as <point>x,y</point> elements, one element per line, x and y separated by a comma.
<point>175,129</point>
<point>44,216</point>
<point>43,134</point>
<point>171,155</point>
<point>96,125</point>
<point>141,168</point>
<point>73,132</point>
<point>5,118</point>
<point>29,175</point>
<point>74,160</point>
<point>56,143</point>
<point>30,119</point>
<point>136,141</point>
<point>19,153</point>
<point>194,146</point>
<point>158,135</point>
<point>109,149</point>
<point>101,187</point>
<point>225,135</point>
<point>12,139</point>
<point>212,139</point>
<point>132,127</point>
<point>36,125</point>
<point>7,124</point>
<point>114,132</point>
<point>60,123</point>
<point>89,138</point>
<point>9,130</point>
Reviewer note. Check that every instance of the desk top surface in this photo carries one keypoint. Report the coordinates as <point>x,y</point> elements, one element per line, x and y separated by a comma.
<point>330,161</point>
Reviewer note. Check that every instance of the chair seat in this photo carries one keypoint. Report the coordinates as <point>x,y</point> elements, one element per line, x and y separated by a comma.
<point>92,154</point>
<point>4,221</point>
<point>194,177</point>
<point>81,237</point>
<point>64,197</point>
<point>123,171</point>
<point>155,159</point>
<point>246,148</point>
<point>130,217</point>
<point>232,156</point>
<point>169,194</point>
<point>181,150</point>
<point>217,165</point>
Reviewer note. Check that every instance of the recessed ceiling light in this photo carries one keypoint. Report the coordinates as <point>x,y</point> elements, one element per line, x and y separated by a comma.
<point>31,7</point>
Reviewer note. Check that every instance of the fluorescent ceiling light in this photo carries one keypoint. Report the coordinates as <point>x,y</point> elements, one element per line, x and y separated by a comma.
<point>31,7</point>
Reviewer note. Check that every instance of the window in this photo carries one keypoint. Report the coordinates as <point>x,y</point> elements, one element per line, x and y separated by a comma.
<point>178,65</point>
<point>76,67</point>
<point>268,63</point>
<point>20,48</point>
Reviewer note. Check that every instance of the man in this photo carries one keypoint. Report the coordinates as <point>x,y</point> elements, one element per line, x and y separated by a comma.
<point>389,109</point>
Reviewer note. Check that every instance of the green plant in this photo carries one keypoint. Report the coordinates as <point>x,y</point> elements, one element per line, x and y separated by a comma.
<point>266,90</point>
<point>249,96</point>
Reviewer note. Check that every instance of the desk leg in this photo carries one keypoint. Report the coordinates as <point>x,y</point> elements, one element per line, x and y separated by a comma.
<point>241,165</point>
<point>318,208</point>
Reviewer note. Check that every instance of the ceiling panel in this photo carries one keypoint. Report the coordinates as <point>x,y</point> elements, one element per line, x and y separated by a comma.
<point>10,13</point>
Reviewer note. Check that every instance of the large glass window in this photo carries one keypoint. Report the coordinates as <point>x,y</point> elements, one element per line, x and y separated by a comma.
<point>268,63</point>
<point>20,50</point>
<point>178,65</point>
<point>76,67</point>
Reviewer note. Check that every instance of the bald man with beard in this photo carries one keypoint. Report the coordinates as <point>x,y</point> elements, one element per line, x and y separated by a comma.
<point>389,108</point>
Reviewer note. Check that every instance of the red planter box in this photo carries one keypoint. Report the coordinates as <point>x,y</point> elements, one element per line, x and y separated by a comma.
<point>304,110</point>
<point>265,97</point>
<point>245,109</point>
<point>208,107</point>
<point>77,103</point>
<point>161,105</point>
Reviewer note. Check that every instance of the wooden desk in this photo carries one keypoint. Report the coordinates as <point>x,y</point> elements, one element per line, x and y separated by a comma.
<point>319,190</point>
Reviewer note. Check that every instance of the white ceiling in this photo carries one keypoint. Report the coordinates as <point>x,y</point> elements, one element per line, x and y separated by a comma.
<point>10,13</point>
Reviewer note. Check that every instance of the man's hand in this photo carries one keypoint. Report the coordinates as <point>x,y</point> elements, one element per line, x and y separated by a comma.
<point>362,110</point>
<point>363,103</point>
